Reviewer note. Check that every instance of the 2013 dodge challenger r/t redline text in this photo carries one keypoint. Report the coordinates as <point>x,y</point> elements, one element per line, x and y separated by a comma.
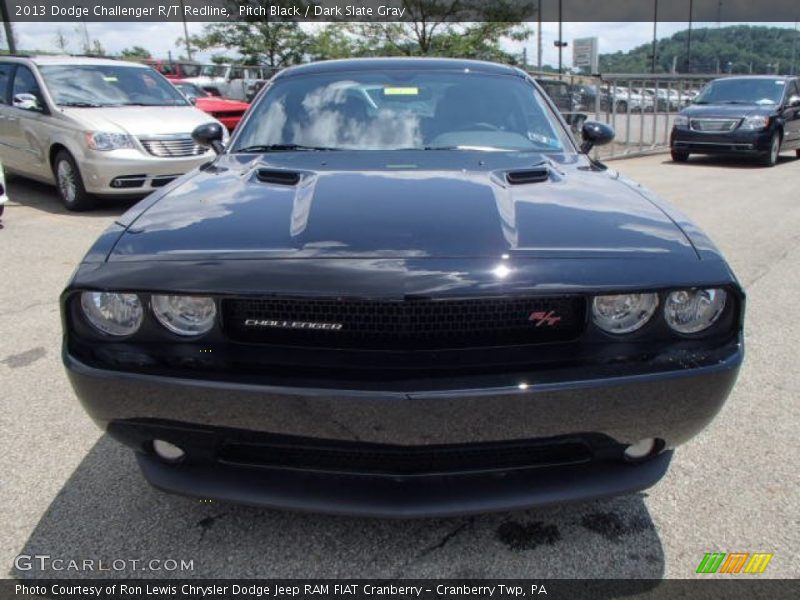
<point>403,289</point>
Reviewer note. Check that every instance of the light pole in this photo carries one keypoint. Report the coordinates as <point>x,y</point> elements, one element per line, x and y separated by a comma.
<point>655,30</point>
<point>12,47</point>
<point>559,43</point>
<point>689,40</point>
<point>186,32</point>
<point>539,38</point>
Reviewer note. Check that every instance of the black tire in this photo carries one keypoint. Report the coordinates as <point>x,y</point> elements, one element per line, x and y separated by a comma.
<point>679,156</point>
<point>797,153</point>
<point>770,159</point>
<point>69,183</point>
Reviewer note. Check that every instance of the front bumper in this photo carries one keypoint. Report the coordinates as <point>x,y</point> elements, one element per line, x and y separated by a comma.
<point>131,172</point>
<point>671,406</point>
<point>737,142</point>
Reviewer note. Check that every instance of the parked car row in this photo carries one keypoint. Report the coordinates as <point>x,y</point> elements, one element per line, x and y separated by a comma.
<point>614,98</point>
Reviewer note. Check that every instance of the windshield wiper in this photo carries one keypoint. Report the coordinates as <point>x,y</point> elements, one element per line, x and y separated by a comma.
<point>82,104</point>
<point>283,148</point>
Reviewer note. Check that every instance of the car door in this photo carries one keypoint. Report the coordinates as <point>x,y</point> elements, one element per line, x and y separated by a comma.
<point>6,75</point>
<point>26,124</point>
<point>791,116</point>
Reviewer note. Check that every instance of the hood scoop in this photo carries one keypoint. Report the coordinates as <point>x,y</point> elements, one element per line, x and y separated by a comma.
<point>278,177</point>
<point>537,174</point>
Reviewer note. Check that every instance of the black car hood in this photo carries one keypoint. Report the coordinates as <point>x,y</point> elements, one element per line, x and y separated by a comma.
<point>728,110</point>
<point>402,204</point>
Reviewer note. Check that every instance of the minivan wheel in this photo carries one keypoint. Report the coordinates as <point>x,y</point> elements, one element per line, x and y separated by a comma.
<point>679,155</point>
<point>70,183</point>
<point>770,159</point>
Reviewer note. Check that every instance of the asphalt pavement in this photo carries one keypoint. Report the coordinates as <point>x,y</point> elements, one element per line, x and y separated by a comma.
<point>69,492</point>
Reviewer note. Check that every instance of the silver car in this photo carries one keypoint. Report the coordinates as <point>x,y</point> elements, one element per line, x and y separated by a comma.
<point>95,127</point>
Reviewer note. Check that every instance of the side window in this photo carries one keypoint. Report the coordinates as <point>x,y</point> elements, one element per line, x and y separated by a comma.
<point>237,73</point>
<point>794,89</point>
<point>5,81</point>
<point>25,83</point>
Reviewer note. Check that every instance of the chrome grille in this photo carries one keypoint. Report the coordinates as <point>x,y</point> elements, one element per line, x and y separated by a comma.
<point>172,146</point>
<point>713,125</point>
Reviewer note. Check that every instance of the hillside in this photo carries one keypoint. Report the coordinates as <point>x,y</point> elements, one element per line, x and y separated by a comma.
<point>739,49</point>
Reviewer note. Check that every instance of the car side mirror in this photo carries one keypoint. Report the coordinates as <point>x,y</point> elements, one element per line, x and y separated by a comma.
<point>27,102</point>
<point>193,100</point>
<point>595,134</point>
<point>794,101</point>
<point>209,135</point>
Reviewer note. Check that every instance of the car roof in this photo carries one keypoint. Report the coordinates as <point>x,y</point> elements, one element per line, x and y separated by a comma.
<point>413,63</point>
<point>771,77</point>
<point>79,60</point>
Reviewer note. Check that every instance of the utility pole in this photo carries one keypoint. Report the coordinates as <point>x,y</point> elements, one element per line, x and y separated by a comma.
<point>539,38</point>
<point>655,32</point>
<point>689,39</point>
<point>559,43</point>
<point>12,46</point>
<point>794,47</point>
<point>186,33</point>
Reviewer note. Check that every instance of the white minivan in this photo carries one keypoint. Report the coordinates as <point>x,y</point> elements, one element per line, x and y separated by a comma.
<point>95,127</point>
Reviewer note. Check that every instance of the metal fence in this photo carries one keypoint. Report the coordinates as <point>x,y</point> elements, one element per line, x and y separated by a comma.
<point>639,107</point>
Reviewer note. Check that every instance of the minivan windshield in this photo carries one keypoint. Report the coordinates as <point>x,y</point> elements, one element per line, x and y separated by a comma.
<point>742,91</point>
<point>401,109</point>
<point>109,85</point>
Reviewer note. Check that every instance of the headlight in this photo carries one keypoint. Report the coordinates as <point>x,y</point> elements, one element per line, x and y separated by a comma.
<point>691,311</point>
<point>754,123</point>
<point>623,313</point>
<point>112,313</point>
<point>100,140</point>
<point>681,121</point>
<point>185,315</point>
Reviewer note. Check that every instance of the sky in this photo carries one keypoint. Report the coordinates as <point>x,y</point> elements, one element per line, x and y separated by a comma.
<point>160,38</point>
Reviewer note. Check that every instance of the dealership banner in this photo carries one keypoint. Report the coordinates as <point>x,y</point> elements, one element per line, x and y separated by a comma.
<point>422,589</point>
<point>402,10</point>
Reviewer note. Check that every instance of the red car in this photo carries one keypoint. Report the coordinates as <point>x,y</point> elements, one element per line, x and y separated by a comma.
<point>228,112</point>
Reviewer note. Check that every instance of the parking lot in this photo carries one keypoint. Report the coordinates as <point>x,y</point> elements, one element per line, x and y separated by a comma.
<point>68,491</point>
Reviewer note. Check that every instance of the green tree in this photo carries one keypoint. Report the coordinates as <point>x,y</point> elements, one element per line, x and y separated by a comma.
<point>274,43</point>
<point>135,52</point>
<point>464,28</point>
<point>735,49</point>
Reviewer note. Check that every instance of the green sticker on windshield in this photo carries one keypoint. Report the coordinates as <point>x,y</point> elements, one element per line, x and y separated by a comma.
<point>400,91</point>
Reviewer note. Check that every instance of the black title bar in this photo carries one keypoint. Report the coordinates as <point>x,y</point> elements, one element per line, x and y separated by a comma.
<point>403,10</point>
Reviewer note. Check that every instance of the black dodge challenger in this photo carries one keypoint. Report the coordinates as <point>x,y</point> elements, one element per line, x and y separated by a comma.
<point>403,290</point>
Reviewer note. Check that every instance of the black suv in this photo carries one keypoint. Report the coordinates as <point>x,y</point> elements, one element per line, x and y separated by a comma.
<point>756,116</point>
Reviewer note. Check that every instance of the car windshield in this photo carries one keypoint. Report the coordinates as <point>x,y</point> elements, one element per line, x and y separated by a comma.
<point>743,91</point>
<point>400,109</point>
<point>109,85</point>
<point>212,71</point>
<point>190,90</point>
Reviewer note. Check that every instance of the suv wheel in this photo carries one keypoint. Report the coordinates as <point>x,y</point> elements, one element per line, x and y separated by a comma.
<point>70,183</point>
<point>679,155</point>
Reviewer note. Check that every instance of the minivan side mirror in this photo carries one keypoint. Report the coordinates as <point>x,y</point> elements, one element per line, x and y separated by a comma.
<point>27,102</point>
<point>209,135</point>
<point>595,134</point>
<point>794,101</point>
